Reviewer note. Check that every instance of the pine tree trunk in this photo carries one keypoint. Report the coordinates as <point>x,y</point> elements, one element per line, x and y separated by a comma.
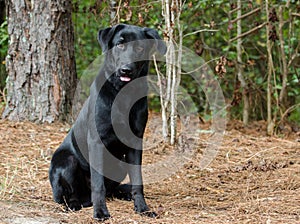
<point>40,61</point>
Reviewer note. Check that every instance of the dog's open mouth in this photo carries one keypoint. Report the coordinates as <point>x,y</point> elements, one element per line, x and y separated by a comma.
<point>125,78</point>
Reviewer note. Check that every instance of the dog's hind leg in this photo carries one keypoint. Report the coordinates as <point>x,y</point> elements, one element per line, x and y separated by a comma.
<point>123,192</point>
<point>64,179</point>
<point>57,188</point>
<point>115,174</point>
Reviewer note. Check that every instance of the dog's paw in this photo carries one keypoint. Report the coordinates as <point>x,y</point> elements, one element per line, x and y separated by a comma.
<point>102,219</point>
<point>123,196</point>
<point>141,208</point>
<point>74,206</point>
<point>101,216</point>
<point>149,214</point>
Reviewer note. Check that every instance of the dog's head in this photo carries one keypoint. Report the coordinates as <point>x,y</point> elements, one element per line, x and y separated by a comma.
<point>128,50</point>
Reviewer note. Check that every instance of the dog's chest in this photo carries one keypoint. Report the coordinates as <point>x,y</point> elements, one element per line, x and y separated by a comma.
<point>120,121</point>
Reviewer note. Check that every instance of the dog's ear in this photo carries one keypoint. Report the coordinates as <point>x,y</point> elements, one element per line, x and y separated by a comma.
<point>105,36</point>
<point>153,34</point>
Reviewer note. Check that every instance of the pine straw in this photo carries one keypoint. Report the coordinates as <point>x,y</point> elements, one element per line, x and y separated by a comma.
<point>254,179</point>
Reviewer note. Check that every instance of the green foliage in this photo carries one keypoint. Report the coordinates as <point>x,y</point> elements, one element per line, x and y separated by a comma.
<point>154,103</point>
<point>87,21</point>
<point>89,16</point>
<point>295,115</point>
<point>207,31</point>
<point>196,16</point>
<point>3,37</point>
<point>3,51</point>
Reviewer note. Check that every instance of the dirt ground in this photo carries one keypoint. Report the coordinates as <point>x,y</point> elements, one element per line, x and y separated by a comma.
<point>253,179</point>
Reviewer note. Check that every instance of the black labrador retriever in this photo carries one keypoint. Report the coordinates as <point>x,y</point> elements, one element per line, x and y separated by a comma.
<point>105,143</point>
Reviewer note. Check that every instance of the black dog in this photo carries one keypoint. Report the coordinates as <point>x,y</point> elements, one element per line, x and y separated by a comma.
<point>105,143</point>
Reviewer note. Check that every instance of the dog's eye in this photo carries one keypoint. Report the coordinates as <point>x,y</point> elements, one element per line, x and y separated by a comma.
<point>120,46</point>
<point>139,49</point>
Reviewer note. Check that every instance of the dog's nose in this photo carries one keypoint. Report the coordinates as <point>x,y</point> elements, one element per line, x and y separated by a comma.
<point>126,70</point>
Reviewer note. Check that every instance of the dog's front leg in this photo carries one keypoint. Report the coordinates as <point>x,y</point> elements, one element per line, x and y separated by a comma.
<point>98,196</point>
<point>96,159</point>
<point>134,159</point>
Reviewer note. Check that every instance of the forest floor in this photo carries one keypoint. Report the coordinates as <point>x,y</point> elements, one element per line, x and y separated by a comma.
<point>253,179</point>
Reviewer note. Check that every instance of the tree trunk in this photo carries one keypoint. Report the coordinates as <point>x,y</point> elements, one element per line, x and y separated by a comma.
<point>113,12</point>
<point>165,98</point>
<point>40,62</point>
<point>171,11</point>
<point>283,91</point>
<point>176,76</point>
<point>239,65</point>
<point>271,123</point>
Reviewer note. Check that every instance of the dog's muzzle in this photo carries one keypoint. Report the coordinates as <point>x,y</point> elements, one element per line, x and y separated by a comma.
<point>125,73</point>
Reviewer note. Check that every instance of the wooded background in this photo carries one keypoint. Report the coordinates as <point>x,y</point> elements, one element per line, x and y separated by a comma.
<point>252,46</point>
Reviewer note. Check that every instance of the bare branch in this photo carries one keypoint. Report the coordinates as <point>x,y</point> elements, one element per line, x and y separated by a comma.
<point>234,10</point>
<point>288,4</point>
<point>283,57</point>
<point>199,31</point>
<point>162,102</point>
<point>245,15</point>
<point>248,32</point>
<point>240,68</point>
<point>289,110</point>
<point>200,67</point>
<point>295,55</point>
<point>270,69</point>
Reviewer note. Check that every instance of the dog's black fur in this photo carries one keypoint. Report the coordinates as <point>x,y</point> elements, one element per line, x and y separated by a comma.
<point>80,166</point>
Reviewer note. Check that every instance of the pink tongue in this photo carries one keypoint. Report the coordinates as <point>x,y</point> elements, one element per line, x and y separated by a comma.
<point>125,79</point>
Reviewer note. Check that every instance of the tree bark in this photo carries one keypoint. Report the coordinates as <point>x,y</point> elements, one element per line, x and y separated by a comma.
<point>270,122</point>
<point>283,91</point>
<point>113,12</point>
<point>171,11</point>
<point>40,62</point>
<point>240,69</point>
<point>165,98</point>
<point>176,76</point>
